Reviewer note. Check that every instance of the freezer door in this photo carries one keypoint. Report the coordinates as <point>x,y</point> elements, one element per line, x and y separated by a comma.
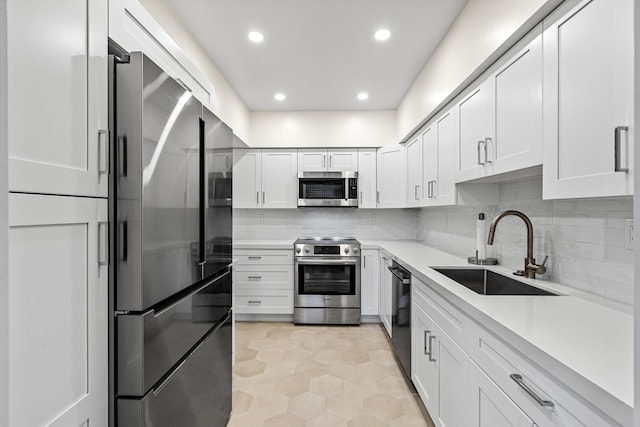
<point>150,344</point>
<point>157,184</point>
<point>196,394</point>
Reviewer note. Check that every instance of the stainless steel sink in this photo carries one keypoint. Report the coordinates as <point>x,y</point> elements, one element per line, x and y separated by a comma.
<point>486,282</point>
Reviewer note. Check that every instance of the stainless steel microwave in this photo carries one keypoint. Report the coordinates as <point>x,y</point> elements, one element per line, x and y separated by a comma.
<point>328,189</point>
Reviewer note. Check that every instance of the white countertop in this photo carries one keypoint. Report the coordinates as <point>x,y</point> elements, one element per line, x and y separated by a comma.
<point>583,341</point>
<point>586,344</point>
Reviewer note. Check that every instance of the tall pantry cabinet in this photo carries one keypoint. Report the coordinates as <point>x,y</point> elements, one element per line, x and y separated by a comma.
<point>58,167</point>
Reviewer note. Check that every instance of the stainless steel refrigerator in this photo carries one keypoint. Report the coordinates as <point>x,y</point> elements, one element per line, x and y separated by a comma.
<point>171,234</point>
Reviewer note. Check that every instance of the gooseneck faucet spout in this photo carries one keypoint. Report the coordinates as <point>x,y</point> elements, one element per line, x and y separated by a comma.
<point>530,266</point>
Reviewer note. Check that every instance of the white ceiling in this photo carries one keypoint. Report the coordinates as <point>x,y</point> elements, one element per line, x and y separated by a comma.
<point>320,53</point>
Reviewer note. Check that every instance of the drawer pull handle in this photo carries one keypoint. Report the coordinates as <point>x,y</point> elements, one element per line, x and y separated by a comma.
<point>518,379</point>
<point>255,277</point>
<point>255,302</point>
<point>431,358</point>
<point>255,257</point>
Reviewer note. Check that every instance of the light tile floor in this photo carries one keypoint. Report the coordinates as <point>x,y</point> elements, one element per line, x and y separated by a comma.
<point>307,376</point>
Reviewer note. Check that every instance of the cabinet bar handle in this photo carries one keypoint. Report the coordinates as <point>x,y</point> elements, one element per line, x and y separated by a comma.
<point>487,140</point>
<point>616,147</point>
<point>257,197</point>
<point>103,243</point>
<point>364,262</point>
<point>103,152</point>
<point>518,379</point>
<point>416,192</point>
<point>425,339</point>
<point>324,160</point>
<point>263,198</point>
<point>255,257</point>
<point>431,358</point>
<point>254,302</point>
<point>480,163</point>
<point>378,197</point>
<point>255,277</point>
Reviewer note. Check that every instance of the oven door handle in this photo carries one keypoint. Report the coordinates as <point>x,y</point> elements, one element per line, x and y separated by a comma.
<point>327,261</point>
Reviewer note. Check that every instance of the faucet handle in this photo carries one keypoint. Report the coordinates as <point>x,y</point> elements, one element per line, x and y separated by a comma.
<point>539,268</point>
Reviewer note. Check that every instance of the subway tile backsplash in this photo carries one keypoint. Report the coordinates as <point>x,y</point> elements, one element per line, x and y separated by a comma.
<point>584,238</point>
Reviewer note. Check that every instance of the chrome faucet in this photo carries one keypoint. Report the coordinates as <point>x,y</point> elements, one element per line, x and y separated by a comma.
<point>530,266</point>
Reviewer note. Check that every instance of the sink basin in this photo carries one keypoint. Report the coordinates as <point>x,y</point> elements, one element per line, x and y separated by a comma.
<point>486,282</point>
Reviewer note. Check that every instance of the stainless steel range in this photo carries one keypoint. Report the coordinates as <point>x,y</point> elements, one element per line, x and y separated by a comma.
<point>327,281</point>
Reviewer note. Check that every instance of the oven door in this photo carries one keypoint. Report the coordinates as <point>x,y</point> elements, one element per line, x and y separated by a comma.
<point>327,282</point>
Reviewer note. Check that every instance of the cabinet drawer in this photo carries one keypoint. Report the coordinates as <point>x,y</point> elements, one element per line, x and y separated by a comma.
<point>263,277</point>
<point>501,363</point>
<point>441,311</point>
<point>265,302</point>
<point>264,257</point>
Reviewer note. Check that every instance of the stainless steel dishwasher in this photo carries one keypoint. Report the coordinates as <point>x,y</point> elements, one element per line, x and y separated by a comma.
<point>401,315</point>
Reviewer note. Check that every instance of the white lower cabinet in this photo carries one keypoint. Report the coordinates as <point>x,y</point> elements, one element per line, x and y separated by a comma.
<point>369,281</point>
<point>440,372</point>
<point>263,281</point>
<point>479,380</point>
<point>58,326</point>
<point>384,296</point>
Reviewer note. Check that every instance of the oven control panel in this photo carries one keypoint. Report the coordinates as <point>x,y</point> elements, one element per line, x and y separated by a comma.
<point>310,250</point>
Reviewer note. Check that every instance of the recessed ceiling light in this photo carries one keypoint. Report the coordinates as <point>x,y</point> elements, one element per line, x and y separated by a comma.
<point>382,34</point>
<point>363,96</point>
<point>279,97</point>
<point>256,36</point>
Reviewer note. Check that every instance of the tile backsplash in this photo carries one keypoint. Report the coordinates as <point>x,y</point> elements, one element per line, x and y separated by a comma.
<point>584,238</point>
<point>289,224</point>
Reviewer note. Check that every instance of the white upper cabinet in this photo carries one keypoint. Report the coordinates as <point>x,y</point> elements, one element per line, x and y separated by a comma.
<point>474,144</point>
<point>57,96</point>
<point>414,172</point>
<point>392,179</point>
<point>247,182</point>
<point>367,178</point>
<point>588,100</point>
<point>337,159</point>
<point>265,179</point>
<point>441,187</point>
<point>518,108</point>
<point>279,179</point>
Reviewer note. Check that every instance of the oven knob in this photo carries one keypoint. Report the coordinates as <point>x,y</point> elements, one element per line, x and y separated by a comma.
<point>298,250</point>
<point>346,250</point>
<point>355,250</point>
<point>306,250</point>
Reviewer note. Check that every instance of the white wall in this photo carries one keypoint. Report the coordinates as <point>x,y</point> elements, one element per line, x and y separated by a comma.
<point>4,224</point>
<point>584,238</point>
<point>474,41</point>
<point>227,105</point>
<point>323,129</point>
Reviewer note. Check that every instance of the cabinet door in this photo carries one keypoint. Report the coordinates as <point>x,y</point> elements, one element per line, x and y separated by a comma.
<point>369,282</point>
<point>367,178</point>
<point>57,352</point>
<point>443,190</point>
<point>247,171</point>
<point>430,163</point>
<point>518,84</point>
<point>414,172</point>
<point>384,298</point>
<point>491,407</point>
<point>312,160</point>
<point>57,97</point>
<point>392,178</point>
<point>279,179</point>
<point>424,369</point>
<point>475,133</point>
<point>343,159</point>
<point>588,101</point>
<point>453,381</point>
